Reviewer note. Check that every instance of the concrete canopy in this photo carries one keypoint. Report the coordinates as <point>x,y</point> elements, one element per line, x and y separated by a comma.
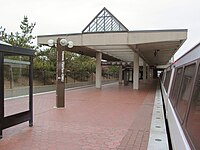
<point>155,47</point>
<point>106,34</point>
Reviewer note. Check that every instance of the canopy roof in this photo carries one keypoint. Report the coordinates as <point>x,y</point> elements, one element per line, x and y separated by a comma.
<point>4,43</point>
<point>8,49</point>
<point>156,47</point>
<point>104,21</point>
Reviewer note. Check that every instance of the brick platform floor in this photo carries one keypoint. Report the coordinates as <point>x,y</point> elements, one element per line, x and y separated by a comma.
<point>138,134</point>
<point>113,118</point>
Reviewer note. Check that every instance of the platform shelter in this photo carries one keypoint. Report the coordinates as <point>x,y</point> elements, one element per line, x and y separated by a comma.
<point>106,38</point>
<point>10,60</point>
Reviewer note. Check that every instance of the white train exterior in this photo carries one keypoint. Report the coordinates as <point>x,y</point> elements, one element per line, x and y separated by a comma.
<point>180,84</point>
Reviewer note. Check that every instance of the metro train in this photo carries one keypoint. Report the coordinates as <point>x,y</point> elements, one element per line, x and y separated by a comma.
<point>180,85</point>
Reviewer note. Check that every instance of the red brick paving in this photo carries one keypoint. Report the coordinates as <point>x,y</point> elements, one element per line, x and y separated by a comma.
<point>138,134</point>
<point>92,120</point>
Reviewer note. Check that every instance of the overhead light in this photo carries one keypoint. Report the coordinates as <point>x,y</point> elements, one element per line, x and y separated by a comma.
<point>123,63</point>
<point>51,42</point>
<point>70,44</point>
<point>118,63</point>
<point>63,42</point>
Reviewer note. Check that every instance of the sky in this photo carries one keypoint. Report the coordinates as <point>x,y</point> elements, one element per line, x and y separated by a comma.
<point>71,16</point>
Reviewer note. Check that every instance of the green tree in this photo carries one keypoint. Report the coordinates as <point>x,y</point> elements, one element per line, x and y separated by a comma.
<point>21,39</point>
<point>45,59</point>
<point>24,39</point>
<point>80,66</point>
<point>2,33</point>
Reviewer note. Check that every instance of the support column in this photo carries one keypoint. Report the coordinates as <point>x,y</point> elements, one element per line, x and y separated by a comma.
<point>155,73</point>
<point>60,84</point>
<point>98,69</point>
<point>136,72</point>
<point>31,91</point>
<point>144,71</point>
<point>148,72</point>
<point>151,73</point>
<point>120,74</point>
<point>125,77</point>
<point>1,93</point>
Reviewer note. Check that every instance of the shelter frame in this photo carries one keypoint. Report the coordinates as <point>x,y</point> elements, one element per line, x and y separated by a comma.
<point>14,119</point>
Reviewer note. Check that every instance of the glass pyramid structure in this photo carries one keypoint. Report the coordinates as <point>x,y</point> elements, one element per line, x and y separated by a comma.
<point>104,22</point>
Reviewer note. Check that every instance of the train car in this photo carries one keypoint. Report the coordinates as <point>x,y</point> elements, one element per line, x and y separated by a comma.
<point>180,85</point>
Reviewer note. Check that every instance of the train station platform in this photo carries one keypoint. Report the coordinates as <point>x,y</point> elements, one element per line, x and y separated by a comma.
<point>115,117</point>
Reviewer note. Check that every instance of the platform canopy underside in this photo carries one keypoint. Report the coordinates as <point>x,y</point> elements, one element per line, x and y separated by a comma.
<point>154,47</point>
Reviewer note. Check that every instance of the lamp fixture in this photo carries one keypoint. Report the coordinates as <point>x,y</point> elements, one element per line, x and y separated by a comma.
<point>63,42</point>
<point>70,44</point>
<point>51,42</point>
<point>60,64</point>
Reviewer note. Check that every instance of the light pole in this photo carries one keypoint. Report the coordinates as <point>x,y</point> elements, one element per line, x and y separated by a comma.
<point>60,69</point>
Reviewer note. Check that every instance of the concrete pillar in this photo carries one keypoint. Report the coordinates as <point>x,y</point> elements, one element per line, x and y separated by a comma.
<point>136,72</point>
<point>125,77</point>
<point>151,73</point>
<point>98,69</point>
<point>60,82</point>
<point>155,73</point>
<point>144,71</point>
<point>120,74</point>
<point>148,72</point>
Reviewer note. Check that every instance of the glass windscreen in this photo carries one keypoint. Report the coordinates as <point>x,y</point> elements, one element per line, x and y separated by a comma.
<point>16,84</point>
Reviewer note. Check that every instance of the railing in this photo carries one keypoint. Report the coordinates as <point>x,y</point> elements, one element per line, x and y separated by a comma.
<point>44,81</point>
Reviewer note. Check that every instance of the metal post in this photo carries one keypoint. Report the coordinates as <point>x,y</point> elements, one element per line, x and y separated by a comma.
<point>1,93</point>
<point>60,84</point>
<point>31,91</point>
<point>148,72</point>
<point>74,77</point>
<point>66,76</point>
<point>144,71</point>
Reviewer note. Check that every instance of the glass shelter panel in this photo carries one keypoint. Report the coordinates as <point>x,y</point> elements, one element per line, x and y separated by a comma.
<point>16,84</point>
<point>193,122</point>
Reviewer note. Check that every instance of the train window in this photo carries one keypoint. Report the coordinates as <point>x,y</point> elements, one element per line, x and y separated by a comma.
<point>186,89</point>
<point>193,122</point>
<point>176,86</point>
<point>167,79</point>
